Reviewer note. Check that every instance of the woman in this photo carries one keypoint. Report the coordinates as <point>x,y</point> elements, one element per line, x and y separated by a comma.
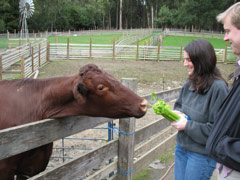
<point>199,101</point>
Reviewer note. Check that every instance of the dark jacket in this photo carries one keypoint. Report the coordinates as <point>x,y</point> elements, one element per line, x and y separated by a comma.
<point>223,144</point>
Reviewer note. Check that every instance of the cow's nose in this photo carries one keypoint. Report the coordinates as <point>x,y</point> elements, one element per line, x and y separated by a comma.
<point>144,105</point>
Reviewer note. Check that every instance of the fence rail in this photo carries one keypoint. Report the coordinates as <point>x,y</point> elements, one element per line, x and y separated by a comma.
<point>33,55</point>
<point>37,51</point>
<point>63,51</point>
<point>30,57</point>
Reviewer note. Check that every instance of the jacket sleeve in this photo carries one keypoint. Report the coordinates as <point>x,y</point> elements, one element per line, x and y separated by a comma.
<point>223,144</point>
<point>200,132</point>
<point>229,147</point>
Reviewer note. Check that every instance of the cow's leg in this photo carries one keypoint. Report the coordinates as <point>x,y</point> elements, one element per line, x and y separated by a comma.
<point>35,161</point>
<point>8,167</point>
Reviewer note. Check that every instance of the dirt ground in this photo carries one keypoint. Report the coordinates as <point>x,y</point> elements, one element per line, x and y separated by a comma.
<point>152,77</point>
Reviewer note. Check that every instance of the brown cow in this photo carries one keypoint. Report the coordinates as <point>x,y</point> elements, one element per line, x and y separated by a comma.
<point>92,92</point>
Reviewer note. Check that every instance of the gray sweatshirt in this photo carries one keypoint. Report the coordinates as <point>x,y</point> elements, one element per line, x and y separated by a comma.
<point>202,110</point>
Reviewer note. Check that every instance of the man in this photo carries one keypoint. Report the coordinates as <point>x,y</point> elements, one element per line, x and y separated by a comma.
<point>223,144</point>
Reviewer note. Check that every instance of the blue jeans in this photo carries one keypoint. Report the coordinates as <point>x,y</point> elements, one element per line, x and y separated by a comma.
<point>192,166</point>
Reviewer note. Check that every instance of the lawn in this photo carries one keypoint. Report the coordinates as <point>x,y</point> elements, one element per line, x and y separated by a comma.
<point>3,42</point>
<point>173,41</point>
<point>184,40</point>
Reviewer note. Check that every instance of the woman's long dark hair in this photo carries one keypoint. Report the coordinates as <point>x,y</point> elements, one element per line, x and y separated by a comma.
<point>203,58</point>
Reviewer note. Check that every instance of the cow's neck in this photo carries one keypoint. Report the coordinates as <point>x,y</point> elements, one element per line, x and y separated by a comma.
<point>58,100</point>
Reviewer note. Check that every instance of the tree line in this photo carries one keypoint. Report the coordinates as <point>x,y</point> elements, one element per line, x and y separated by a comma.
<point>65,15</point>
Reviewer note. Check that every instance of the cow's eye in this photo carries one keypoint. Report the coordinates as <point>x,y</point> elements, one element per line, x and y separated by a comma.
<point>100,87</point>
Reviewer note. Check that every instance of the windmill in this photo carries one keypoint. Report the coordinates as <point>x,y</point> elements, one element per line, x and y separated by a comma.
<point>26,8</point>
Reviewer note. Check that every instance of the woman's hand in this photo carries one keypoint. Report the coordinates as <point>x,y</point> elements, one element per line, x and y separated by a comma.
<point>181,123</point>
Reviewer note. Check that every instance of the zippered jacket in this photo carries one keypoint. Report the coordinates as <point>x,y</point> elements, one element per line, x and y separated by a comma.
<point>223,144</point>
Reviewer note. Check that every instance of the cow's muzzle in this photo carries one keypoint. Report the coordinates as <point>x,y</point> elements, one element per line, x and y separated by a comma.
<point>144,105</point>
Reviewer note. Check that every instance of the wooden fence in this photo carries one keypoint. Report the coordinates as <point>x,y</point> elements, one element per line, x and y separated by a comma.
<point>69,51</point>
<point>32,56</point>
<point>21,138</point>
<point>29,57</point>
<point>37,51</point>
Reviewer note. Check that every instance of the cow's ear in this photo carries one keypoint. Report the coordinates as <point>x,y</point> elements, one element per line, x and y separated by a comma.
<point>80,91</point>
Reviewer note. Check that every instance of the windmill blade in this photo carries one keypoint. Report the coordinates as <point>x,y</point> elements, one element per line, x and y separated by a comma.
<point>27,7</point>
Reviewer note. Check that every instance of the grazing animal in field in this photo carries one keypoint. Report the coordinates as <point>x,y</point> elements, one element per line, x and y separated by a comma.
<point>92,92</point>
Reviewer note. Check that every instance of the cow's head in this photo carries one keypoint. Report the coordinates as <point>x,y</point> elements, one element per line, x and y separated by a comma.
<point>99,94</point>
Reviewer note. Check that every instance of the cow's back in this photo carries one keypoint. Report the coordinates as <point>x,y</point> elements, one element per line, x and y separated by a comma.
<point>17,103</point>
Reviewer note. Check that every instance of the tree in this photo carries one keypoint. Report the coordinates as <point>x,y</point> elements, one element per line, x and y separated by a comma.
<point>165,17</point>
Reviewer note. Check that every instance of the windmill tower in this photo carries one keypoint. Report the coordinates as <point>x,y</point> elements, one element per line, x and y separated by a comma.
<point>26,8</point>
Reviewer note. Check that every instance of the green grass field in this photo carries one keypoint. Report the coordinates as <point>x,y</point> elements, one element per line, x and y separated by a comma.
<point>3,42</point>
<point>184,40</point>
<point>174,41</point>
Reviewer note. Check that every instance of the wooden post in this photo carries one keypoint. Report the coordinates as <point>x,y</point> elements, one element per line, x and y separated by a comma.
<point>144,51</point>
<point>137,53</point>
<point>47,51</point>
<point>22,67</point>
<point>225,52</point>
<point>39,55</point>
<point>181,49</point>
<point>90,48</point>
<point>158,55</point>
<point>113,55</point>
<point>68,49</point>
<point>7,35</point>
<point>32,59</point>
<point>9,45</point>
<point>1,68</point>
<point>19,42</point>
<point>126,139</point>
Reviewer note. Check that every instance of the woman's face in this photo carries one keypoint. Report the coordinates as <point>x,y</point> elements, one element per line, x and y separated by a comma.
<point>188,63</point>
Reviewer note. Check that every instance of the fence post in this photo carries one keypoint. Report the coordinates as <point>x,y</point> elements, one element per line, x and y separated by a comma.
<point>19,42</point>
<point>137,54</point>
<point>9,45</point>
<point>39,55</point>
<point>68,49</point>
<point>47,51</point>
<point>90,48</point>
<point>1,68</point>
<point>22,66</point>
<point>144,51</point>
<point>32,59</point>
<point>126,139</point>
<point>225,52</point>
<point>181,49</point>
<point>113,56</point>
<point>7,34</point>
<point>158,55</point>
